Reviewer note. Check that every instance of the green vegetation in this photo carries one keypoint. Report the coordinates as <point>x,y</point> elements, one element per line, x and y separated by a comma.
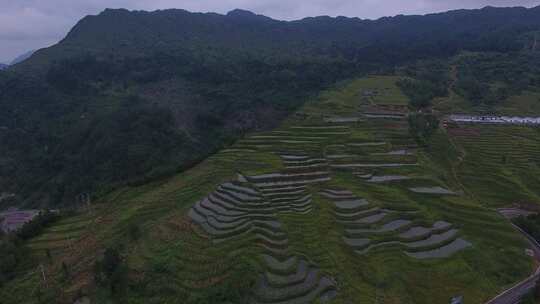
<point>489,78</point>
<point>491,160</point>
<point>14,254</point>
<point>125,127</point>
<point>126,98</point>
<point>496,83</point>
<point>110,272</point>
<point>11,255</point>
<point>426,80</point>
<point>168,256</point>
<point>351,194</point>
<point>371,90</point>
<point>530,224</point>
<point>422,126</point>
<point>37,224</point>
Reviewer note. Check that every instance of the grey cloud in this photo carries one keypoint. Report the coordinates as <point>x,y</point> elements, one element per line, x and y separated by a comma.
<point>31,24</point>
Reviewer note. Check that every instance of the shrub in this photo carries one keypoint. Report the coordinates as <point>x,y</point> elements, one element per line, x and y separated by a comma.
<point>11,253</point>
<point>134,232</point>
<point>422,126</point>
<point>111,272</point>
<point>36,225</point>
<point>420,93</point>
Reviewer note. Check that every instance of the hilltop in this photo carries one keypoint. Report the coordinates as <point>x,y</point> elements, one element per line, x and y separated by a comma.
<point>22,57</point>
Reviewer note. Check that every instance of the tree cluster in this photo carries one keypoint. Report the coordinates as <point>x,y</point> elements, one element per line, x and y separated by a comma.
<point>127,97</point>
<point>12,249</point>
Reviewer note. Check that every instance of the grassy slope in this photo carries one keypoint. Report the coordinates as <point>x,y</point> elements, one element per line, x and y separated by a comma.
<point>173,260</point>
<point>501,163</point>
<point>498,165</point>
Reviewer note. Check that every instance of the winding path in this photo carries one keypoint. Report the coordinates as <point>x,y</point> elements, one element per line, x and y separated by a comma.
<point>514,294</point>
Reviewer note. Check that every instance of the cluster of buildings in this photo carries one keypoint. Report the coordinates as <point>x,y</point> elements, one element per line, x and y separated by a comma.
<point>486,119</point>
<point>13,219</point>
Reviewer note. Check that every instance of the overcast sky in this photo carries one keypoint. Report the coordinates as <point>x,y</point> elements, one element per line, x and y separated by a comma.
<point>33,24</point>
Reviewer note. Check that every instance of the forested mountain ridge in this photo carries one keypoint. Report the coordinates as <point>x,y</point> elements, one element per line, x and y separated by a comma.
<point>134,33</point>
<point>130,96</point>
<point>22,57</point>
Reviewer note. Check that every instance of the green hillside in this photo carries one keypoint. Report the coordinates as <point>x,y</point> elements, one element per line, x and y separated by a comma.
<point>338,203</point>
<point>130,97</point>
<point>502,158</point>
<point>240,159</point>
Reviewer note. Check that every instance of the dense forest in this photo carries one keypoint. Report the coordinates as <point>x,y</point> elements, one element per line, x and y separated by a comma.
<point>129,97</point>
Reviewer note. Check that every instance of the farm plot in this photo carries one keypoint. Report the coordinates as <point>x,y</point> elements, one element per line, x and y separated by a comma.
<point>60,236</point>
<point>380,160</point>
<point>322,206</point>
<point>343,194</point>
<point>320,210</point>
<point>237,209</point>
<point>363,224</point>
<point>506,158</point>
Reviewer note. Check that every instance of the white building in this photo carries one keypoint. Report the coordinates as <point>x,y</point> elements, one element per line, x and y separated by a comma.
<point>13,219</point>
<point>491,119</point>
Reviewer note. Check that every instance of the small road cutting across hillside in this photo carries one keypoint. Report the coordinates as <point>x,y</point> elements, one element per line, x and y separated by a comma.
<point>514,294</point>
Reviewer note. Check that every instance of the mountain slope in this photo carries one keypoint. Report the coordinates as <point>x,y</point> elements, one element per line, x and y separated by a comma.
<point>138,32</point>
<point>22,57</point>
<point>190,83</point>
<point>337,203</point>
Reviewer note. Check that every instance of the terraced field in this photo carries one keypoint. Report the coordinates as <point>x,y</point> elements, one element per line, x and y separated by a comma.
<point>61,236</point>
<point>505,158</point>
<point>363,179</point>
<point>337,205</point>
